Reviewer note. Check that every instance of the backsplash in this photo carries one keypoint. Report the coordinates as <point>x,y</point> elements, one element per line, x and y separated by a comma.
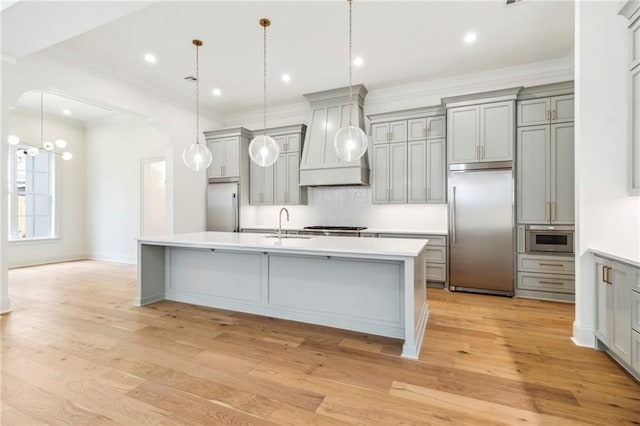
<point>350,206</point>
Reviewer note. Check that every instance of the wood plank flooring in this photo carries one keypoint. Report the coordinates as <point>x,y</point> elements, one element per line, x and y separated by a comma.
<point>75,351</point>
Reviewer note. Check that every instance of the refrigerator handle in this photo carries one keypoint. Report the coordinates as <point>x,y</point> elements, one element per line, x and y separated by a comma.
<point>453,214</point>
<point>234,206</point>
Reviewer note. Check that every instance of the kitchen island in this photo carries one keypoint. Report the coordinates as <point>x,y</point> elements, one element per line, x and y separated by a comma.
<point>370,285</point>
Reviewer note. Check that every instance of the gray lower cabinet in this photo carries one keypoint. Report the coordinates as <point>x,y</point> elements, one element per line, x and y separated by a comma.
<point>617,304</point>
<point>436,256</point>
<point>545,174</point>
<point>546,276</point>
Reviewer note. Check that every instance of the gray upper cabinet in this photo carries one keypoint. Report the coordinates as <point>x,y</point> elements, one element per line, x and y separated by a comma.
<point>545,174</point>
<point>436,171</point>
<point>395,131</point>
<point>417,172</point>
<point>226,157</point>
<point>426,128</point>
<point>479,133</point>
<point>261,184</point>
<point>280,183</point>
<point>549,110</point>
<point>390,173</point>
<point>631,10</point>
<point>411,170</point>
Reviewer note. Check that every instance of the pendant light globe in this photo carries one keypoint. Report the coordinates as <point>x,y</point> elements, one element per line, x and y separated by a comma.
<point>198,156</point>
<point>264,150</point>
<point>350,143</point>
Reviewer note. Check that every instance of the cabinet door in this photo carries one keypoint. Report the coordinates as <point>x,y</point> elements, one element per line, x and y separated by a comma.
<point>562,109</point>
<point>635,130</point>
<point>620,277</point>
<point>436,171</point>
<point>256,184</point>
<point>417,172</point>
<point>436,127</point>
<point>496,131</point>
<point>398,131</point>
<point>603,295</point>
<point>293,178</point>
<point>562,174</point>
<point>380,133</point>
<point>533,175</point>
<point>217,148</point>
<point>281,180</point>
<point>398,173</point>
<point>462,134</point>
<point>293,143</point>
<point>380,174</point>
<point>534,112</point>
<point>232,157</point>
<point>417,129</point>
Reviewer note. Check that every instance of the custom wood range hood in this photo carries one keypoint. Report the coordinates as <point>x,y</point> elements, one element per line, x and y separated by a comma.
<point>320,165</point>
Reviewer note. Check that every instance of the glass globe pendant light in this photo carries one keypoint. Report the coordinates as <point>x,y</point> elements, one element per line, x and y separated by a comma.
<point>263,149</point>
<point>198,156</point>
<point>350,141</point>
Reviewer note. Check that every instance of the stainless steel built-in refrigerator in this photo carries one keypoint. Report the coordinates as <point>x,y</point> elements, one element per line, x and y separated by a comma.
<point>481,228</point>
<point>223,207</point>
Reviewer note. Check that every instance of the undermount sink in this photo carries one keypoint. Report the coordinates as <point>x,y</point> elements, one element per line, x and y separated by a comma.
<point>299,237</point>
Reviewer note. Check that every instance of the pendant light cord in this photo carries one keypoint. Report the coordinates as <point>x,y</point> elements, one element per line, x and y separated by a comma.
<point>264,77</point>
<point>197,94</point>
<point>350,70</point>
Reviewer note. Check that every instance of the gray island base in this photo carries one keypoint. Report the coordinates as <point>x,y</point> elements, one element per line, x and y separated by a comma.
<point>370,285</point>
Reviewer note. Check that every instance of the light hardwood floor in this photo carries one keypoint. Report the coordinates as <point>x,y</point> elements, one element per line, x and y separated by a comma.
<point>75,351</point>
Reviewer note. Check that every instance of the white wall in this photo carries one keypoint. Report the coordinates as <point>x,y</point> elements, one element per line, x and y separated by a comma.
<point>114,154</point>
<point>70,191</point>
<point>608,219</point>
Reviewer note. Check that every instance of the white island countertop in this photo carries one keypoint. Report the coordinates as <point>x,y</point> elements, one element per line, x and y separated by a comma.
<point>307,244</point>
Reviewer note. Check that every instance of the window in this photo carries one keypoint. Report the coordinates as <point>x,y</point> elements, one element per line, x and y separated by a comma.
<point>31,195</point>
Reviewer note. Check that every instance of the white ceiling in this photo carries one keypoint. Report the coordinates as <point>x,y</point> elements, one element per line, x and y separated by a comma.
<point>400,41</point>
<point>56,104</point>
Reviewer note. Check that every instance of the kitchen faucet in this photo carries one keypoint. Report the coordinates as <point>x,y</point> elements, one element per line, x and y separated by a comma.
<point>280,221</point>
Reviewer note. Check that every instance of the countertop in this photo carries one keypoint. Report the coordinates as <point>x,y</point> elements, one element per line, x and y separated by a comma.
<point>610,256</point>
<point>312,245</point>
<point>364,231</point>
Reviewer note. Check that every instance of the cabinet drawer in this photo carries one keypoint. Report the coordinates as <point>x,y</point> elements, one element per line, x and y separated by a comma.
<point>436,254</point>
<point>635,311</point>
<point>546,282</point>
<point>546,264</point>
<point>635,351</point>
<point>434,240</point>
<point>436,272</point>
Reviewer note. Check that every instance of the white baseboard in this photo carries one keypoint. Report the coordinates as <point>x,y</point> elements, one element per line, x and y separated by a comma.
<point>5,306</point>
<point>105,257</point>
<point>583,336</point>
<point>70,257</point>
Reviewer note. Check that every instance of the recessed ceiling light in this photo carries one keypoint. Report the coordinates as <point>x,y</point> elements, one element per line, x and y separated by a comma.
<point>150,58</point>
<point>216,92</point>
<point>66,112</point>
<point>286,78</point>
<point>470,38</point>
<point>358,61</point>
